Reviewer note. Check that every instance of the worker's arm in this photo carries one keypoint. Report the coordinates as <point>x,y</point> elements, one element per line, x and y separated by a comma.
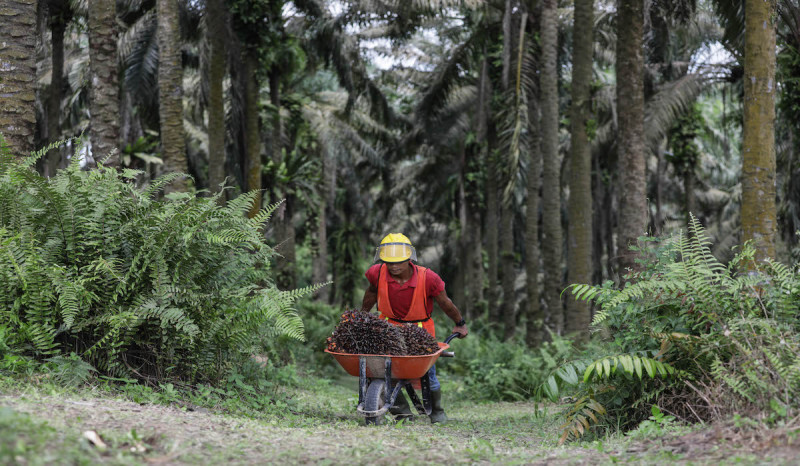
<point>370,298</point>
<point>452,312</point>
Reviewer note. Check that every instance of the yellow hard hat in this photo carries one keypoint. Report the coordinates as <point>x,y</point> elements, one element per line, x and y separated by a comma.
<point>395,247</point>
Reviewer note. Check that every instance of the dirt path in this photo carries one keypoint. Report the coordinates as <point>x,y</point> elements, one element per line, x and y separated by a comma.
<point>505,433</point>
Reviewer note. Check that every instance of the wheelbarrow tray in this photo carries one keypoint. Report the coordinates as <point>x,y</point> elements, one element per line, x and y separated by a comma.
<point>403,367</point>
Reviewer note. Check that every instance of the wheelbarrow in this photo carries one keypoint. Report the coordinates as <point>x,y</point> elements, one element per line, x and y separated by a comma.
<point>378,372</point>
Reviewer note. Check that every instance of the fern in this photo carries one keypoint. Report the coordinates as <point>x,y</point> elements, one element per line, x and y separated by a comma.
<point>686,317</point>
<point>584,413</point>
<point>92,263</point>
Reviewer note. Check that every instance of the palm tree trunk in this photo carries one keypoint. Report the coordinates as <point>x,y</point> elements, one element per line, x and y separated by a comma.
<point>215,25</point>
<point>758,145</point>
<point>598,223</point>
<point>579,250</point>
<point>509,274</point>
<point>284,229</point>
<point>630,140</point>
<point>18,65</point>
<point>104,88</point>
<point>535,330</point>
<point>319,258</point>
<point>287,278</point>
<point>492,208</point>
<point>660,167</point>
<point>475,264</point>
<point>58,24</point>
<point>460,293</point>
<point>482,126</point>
<point>252,129</point>
<point>170,93</point>
<point>507,217</point>
<point>551,189</point>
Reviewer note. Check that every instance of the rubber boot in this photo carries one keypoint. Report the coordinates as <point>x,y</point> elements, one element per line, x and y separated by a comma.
<point>437,412</point>
<point>401,410</point>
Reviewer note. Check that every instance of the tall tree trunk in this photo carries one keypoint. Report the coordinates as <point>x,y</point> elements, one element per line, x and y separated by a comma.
<point>535,330</point>
<point>319,258</point>
<point>475,264</point>
<point>508,46</point>
<point>252,128</point>
<point>630,140</point>
<point>551,189</point>
<point>494,178</point>
<point>461,280</point>
<point>104,88</point>
<point>287,278</point>
<point>758,145</point>
<point>18,67</point>
<point>216,29</point>
<point>660,167</point>
<point>482,127</point>
<point>579,243</point>
<point>598,223</point>
<point>610,213</point>
<point>507,217</point>
<point>58,24</point>
<point>282,219</point>
<point>170,93</point>
<point>509,274</point>
<point>492,208</point>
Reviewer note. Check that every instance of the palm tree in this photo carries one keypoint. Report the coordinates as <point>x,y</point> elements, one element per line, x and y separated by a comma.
<point>758,145</point>
<point>579,242</point>
<point>170,92</point>
<point>630,140</point>
<point>535,317</point>
<point>17,56</point>
<point>104,90</point>
<point>252,127</point>
<point>216,30</point>
<point>551,173</point>
<point>514,90</point>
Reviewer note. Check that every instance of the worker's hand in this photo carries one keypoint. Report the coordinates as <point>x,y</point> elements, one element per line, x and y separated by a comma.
<point>461,330</point>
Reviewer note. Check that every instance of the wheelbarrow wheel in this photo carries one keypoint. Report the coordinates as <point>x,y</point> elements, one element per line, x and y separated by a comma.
<point>374,400</point>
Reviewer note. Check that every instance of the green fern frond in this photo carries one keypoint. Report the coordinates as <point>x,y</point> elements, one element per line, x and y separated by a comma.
<point>90,261</point>
<point>584,413</point>
<point>630,364</point>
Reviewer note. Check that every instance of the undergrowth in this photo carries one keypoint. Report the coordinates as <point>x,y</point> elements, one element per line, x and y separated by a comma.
<point>138,285</point>
<point>699,339</point>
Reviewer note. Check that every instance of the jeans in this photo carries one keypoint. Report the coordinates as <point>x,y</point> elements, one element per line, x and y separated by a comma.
<point>434,381</point>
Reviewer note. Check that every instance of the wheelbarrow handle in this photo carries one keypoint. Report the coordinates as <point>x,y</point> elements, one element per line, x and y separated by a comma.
<point>450,338</point>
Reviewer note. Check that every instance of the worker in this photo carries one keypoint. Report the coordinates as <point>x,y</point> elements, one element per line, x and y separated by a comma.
<point>404,292</point>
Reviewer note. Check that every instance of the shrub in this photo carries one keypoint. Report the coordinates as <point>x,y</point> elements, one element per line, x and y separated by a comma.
<point>712,339</point>
<point>138,286</point>
<point>502,370</point>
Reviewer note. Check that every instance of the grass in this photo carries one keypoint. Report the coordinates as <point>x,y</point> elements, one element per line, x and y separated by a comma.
<point>309,421</point>
<point>316,423</point>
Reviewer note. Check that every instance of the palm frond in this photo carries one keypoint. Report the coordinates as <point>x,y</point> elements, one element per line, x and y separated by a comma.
<point>139,55</point>
<point>672,100</point>
<point>448,75</point>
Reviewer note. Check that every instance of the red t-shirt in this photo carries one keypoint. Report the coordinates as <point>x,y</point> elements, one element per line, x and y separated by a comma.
<point>400,296</point>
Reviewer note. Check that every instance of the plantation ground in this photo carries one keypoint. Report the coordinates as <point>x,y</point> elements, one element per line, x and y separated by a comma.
<point>320,426</point>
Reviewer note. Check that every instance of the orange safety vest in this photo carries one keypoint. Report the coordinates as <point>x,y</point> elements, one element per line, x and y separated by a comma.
<point>418,313</point>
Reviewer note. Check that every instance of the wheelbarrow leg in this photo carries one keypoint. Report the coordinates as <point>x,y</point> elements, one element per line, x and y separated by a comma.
<point>425,406</point>
<point>362,379</point>
<point>388,377</point>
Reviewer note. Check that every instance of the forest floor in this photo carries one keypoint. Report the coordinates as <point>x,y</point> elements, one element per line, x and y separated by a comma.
<point>46,426</point>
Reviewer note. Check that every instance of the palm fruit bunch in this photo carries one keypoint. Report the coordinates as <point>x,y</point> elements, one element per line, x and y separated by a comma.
<point>418,340</point>
<point>365,333</point>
